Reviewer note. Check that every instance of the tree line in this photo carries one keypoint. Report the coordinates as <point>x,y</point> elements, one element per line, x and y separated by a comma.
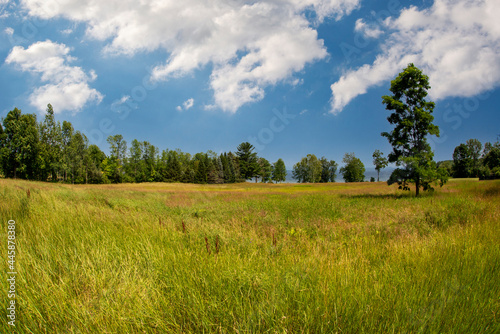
<point>51,151</point>
<point>472,159</point>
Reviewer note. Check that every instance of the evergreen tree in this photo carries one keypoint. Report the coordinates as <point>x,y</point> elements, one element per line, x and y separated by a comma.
<point>173,167</point>
<point>228,174</point>
<point>66,135</point>
<point>248,161</point>
<point>279,171</point>
<point>234,167</point>
<point>78,158</point>
<point>95,159</point>
<point>200,168</point>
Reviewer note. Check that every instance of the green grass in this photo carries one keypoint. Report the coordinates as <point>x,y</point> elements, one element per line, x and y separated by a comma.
<point>335,258</point>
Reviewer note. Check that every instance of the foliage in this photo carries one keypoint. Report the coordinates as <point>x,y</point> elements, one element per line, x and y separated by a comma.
<point>20,148</point>
<point>462,161</point>
<point>279,171</point>
<point>469,161</point>
<point>474,147</point>
<point>265,170</point>
<point>490,168</point>
<point>447,165</point>
<point>412,118</point>
<point>380,162</point>
<point>328,170</point>
<point>248,161</point>
<point>308,170</point>
<point>353,169</point>
<point>50,146</point>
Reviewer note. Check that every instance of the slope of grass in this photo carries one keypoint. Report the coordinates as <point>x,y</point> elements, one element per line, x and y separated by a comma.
<point>246,258</point>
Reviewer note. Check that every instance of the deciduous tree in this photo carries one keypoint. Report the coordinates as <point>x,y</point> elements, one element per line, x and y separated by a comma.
<point>328,170</point>
<point>308,170</point>
<point>412,119</point>
<point>380,162</point>
<point>353,169</point>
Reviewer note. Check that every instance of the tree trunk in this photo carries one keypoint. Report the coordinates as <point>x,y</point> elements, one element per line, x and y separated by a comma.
<point>417,186</point>
<point>378,175</point>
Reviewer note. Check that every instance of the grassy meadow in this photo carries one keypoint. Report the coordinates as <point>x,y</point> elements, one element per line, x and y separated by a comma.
<point>252,258</point>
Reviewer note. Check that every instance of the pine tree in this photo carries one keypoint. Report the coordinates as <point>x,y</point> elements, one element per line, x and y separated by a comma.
<point>249,166</point>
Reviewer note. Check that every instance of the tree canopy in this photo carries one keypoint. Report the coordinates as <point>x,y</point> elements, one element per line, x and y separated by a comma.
<point>307,170</point>
<point>353,169</point>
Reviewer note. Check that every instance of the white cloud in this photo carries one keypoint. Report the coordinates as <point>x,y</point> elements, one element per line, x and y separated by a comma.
<point>250,44</point>
<point>456,43</point>
<point>186,105</point>
<point>9,31</point>
<point>115,106</point>
<point>68,31</point>
<point>67,86</point>
<point>369,31</point>
<point>3,13</point>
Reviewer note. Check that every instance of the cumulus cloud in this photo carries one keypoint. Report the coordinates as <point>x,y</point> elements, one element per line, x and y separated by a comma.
<point>250,44</point>
<point>456,43</point>
<point>67,86</point>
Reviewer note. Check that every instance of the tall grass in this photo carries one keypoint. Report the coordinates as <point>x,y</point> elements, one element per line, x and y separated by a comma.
<point>172,258</point>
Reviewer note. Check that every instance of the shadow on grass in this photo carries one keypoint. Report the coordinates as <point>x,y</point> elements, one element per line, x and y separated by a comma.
<point>402,195</point>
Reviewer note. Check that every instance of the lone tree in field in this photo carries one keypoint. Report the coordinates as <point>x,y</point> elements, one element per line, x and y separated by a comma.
<point>380,162</point>
<point>412,117</point>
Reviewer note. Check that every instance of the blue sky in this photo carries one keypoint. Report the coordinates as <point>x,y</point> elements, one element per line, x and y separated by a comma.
<point>293,77</point>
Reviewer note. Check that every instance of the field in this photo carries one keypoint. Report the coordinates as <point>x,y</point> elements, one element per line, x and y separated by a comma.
<point>252,258</point>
